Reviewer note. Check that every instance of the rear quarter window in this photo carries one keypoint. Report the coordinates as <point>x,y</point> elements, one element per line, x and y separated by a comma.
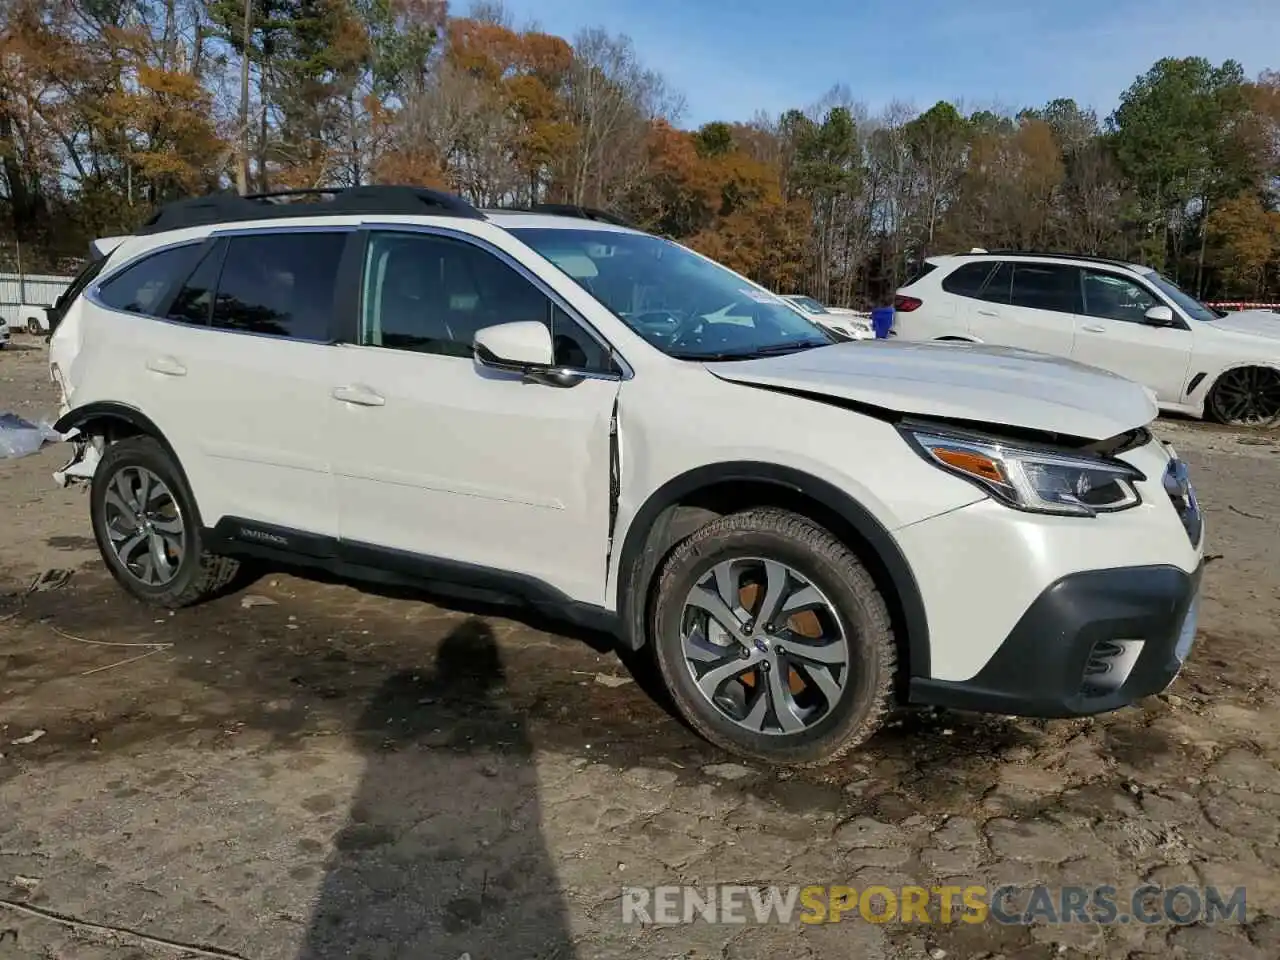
<point>145,286</point>
<point>919,272</point>
<point>968,280</point>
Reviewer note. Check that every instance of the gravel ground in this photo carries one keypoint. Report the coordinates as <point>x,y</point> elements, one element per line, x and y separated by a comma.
<point>316,769</point>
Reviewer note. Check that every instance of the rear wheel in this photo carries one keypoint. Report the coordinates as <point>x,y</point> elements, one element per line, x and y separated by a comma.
<point>33,326</point>
<point>148,530</point>
<point>773,639</point>
<point>1246,397</point>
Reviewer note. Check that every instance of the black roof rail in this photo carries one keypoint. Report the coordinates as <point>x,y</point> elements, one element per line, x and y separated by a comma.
<point>228,207</point>
<point>1060,256</point>
<point>573,210</point>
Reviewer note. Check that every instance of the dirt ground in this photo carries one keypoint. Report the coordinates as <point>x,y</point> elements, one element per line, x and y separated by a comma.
<point>316,769</point>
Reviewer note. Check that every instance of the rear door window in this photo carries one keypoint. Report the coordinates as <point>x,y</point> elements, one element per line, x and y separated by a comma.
<point>1046,286</point>
<point>194,302</point>
<point>996,289</point>
<point>280,284</point>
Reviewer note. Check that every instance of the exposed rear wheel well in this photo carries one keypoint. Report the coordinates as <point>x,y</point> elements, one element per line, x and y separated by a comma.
<point>103,424</point>
<point>696,509</point>
<point>111,429</point>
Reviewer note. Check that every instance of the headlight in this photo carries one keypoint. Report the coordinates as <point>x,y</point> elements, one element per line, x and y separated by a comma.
<point>1034,480</point>
<point>852,329</point>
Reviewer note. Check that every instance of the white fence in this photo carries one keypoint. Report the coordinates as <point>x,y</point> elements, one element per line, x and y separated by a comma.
<point>31,289</point>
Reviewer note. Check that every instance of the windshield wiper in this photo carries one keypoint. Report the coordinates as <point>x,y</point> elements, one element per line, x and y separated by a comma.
<point>775,350</point>
<point>781,348</point>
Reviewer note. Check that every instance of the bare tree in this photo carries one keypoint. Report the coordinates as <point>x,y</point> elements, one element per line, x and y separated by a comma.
<point>611,99</point>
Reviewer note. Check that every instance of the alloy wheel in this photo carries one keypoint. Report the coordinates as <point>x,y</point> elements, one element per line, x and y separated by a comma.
<point>764,646</point>
<point>145,527</point>
<point>1247,397</point>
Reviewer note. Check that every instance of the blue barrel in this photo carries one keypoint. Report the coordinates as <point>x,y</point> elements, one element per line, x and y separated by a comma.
<point>882,321</point>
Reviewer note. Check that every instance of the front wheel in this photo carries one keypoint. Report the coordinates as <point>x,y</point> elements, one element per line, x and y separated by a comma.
<point>773,639</point>
<point>148,530</point>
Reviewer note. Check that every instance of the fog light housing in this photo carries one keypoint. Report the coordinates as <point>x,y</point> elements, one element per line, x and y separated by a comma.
<point>1109,665</point>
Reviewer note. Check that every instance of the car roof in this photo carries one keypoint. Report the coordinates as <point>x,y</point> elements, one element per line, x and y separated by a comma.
<point>978,255</point>
<point>520,219</point>
<point>219,209</point>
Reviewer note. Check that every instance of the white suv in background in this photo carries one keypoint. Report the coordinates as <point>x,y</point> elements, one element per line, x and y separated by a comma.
<point>554,407</point>
<point>1122,317</point>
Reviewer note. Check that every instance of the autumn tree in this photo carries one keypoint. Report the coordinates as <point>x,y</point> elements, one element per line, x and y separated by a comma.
<point>1244,242</point>
<point>1009,187</point>
<point>612,100</point>
<point>108,107</point>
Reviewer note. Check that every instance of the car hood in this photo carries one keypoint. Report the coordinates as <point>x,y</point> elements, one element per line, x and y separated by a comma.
<point>983,384</point>
<point>1255,323</point>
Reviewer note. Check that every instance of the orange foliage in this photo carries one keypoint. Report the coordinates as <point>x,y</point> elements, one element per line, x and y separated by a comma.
<point>729,204</point>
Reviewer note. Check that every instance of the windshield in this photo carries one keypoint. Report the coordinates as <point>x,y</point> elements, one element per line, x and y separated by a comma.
<point>683,304</point>
<point>1189,304</point>
<point>809,304</point>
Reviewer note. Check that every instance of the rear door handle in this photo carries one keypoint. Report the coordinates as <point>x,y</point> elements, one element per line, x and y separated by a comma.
<point>166,365</point>
<point>1093,329</point>
<point>987,313</point>
<point>356,393</point>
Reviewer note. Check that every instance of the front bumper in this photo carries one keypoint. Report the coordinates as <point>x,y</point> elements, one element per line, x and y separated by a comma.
<point>1091,642</point>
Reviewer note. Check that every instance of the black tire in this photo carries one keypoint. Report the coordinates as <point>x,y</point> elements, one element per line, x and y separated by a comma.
<point>855,600</point>
<point>1245,397</point>
<point>200,574</point>
<point>33,326</point>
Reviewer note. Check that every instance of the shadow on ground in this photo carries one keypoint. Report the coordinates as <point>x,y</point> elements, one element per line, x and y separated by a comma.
<point>442,853</point>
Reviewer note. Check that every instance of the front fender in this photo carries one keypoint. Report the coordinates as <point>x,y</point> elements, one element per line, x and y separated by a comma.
<point>637,566</point>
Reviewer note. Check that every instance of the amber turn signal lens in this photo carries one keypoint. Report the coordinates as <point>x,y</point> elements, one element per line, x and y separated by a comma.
<point>974,464</point>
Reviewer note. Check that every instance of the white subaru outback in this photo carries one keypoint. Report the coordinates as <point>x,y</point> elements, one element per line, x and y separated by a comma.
<point>552,406</point>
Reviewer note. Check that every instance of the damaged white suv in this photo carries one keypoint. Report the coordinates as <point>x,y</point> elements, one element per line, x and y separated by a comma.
<point>552,406</point>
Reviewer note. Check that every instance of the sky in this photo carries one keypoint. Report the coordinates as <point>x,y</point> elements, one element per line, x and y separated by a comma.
<point>731,58</point>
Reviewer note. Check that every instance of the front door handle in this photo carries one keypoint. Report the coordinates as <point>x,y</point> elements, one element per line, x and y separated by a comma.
<point>987,313</point>
<point>1093,329</point>
<point>357,393</point>
<point>167,366</point>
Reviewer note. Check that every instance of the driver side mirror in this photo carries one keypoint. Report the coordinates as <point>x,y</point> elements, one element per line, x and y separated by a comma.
<point>522,347</point>
<point>1159,316</point>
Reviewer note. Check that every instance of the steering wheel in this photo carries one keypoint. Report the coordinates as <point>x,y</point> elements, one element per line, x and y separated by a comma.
<point>691,323</point>
<point>658,326</point>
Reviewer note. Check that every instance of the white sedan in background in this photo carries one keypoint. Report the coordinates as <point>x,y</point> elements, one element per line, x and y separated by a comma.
<point>844,323</point>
